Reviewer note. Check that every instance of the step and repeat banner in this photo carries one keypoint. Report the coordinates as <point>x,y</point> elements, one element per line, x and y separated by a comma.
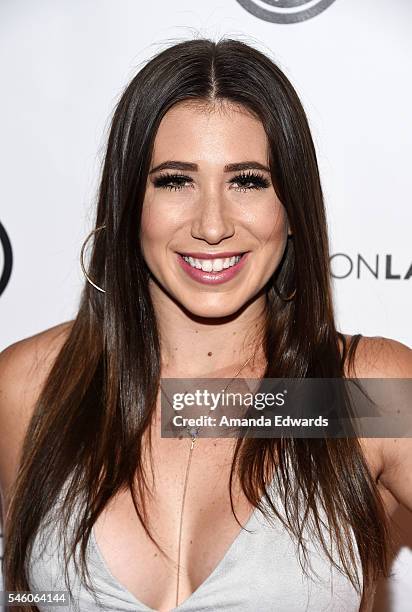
<point>64,65</point>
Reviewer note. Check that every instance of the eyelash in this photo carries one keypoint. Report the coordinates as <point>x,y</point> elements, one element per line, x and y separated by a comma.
<point>257,179</point>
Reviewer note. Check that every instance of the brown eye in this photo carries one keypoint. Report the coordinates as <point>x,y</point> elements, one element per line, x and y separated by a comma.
<point>250,180</point>
<point>174,182</point>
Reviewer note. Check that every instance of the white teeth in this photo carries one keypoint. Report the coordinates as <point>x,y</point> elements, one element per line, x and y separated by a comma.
<point>207,265</point>
<point>212,265</point>
<point>217,265</point>
<point>195,263</point>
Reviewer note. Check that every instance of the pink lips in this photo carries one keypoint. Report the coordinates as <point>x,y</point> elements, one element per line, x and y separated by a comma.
<point>213,278</point>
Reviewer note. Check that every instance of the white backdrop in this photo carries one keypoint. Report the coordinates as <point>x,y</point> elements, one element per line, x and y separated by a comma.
<point>65,62</point>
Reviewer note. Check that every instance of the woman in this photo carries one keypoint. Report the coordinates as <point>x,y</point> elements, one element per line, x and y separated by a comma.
<point>210,259</point>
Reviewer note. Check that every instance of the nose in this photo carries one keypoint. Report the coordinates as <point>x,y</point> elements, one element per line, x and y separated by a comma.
<point>213,222</point>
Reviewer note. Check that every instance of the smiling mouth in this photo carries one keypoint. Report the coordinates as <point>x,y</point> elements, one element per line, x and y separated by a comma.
<point>211,263</point>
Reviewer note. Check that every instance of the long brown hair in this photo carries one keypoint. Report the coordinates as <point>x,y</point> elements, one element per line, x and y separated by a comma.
<point>98,400</point>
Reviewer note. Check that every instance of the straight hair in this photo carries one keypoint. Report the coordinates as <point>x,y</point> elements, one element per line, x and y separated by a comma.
<point>86,437</point>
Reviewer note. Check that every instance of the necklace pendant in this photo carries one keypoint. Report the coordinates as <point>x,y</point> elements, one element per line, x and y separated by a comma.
<point>193,431</point>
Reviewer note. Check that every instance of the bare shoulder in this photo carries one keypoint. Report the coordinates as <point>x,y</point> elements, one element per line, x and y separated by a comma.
<point>24,366</point>
<point>378,357</point>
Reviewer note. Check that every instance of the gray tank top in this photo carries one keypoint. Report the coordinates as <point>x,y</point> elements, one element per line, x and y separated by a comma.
<point>260,571</point>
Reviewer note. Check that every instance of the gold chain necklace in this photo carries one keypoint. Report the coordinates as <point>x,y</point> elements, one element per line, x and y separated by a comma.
<point>193,431</point>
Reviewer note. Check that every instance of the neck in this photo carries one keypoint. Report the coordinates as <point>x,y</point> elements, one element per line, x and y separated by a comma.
<point>195,347</point>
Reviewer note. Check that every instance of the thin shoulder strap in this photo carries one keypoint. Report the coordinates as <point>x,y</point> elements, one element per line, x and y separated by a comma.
<point>353,345</point>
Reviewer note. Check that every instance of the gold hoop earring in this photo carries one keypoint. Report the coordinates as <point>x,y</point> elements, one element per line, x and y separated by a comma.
<point>288,298</point>
<point>82,254</point>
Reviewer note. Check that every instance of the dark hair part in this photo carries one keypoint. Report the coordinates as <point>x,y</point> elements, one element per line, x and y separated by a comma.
<point>101,393</point>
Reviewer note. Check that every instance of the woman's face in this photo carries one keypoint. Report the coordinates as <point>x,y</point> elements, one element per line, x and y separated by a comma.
<point>213,230</point>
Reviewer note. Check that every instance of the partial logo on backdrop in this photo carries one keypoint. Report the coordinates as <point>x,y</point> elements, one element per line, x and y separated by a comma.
<point>380,266</point>
<point>285,11</point>
<point>6,258</point>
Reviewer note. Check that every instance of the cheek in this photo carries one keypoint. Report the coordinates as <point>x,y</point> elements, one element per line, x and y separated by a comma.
<point>271,227</point>
<point>151,225</point>
<point>151,230</point>
<point>157,229</point>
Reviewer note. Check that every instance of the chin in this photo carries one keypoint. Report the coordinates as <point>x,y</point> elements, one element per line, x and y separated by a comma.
<point>212,309</point>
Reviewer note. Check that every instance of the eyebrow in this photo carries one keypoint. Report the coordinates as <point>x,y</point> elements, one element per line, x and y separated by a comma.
<point>188,166</point>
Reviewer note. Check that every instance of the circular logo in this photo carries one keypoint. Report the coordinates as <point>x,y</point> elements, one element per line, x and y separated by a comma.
<point>7,263</point>
<point>285,11</point>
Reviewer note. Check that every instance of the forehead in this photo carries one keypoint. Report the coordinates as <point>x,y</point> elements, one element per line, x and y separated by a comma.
<point>220,133</point>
